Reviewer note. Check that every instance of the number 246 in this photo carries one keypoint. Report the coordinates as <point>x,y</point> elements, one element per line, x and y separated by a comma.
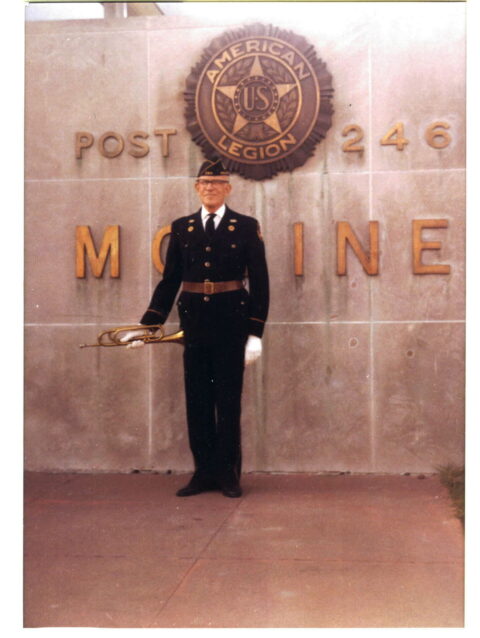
<point>436,136</point>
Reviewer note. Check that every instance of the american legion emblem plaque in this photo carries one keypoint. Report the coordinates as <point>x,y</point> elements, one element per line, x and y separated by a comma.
<point>259,98</point>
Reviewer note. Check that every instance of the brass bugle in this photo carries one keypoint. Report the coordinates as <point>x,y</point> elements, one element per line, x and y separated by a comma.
<point>112,337</point>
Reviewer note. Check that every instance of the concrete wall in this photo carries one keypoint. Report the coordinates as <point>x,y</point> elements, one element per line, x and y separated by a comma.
<point>359,373</point>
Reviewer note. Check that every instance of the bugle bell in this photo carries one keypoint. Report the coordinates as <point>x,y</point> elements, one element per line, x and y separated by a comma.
<point>112,337</point>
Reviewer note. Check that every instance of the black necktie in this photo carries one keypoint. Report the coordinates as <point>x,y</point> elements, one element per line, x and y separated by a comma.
<point>210,226</point>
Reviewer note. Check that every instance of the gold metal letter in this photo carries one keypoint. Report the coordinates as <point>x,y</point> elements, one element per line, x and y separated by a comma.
<point>298,249</point>
<point>389,138</point>
<point>104,138</point>
<point>165,132</point>
<point>83,139</point>
<point>85,244</point>
<point>156,245</point>
<point>351,145</point>
<point>132,138</point>
<point>418,246</point>
<point>344,234</point>
<point>436,136</point>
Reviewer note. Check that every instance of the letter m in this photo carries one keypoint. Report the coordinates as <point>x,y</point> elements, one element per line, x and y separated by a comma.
<point>86,247</point>
<point>226,57</point>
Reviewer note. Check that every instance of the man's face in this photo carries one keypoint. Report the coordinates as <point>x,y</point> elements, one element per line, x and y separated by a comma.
<point>212,191</point>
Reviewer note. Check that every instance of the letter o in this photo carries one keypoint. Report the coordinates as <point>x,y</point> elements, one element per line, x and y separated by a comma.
<point>117,150</point>
<point>272,150</point>
<point>156,246</point>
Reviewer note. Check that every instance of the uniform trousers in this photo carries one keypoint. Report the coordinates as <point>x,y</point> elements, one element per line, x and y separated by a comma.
<point>213,390</point>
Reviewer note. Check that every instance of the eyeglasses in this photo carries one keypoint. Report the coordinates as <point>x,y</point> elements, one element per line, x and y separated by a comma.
<point>212,182</point>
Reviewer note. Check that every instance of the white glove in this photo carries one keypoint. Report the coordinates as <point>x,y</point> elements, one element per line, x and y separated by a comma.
<point>253,349</point>
<point>131,334</point>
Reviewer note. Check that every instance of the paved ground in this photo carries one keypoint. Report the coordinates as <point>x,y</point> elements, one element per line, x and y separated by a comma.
<point>295,551</point>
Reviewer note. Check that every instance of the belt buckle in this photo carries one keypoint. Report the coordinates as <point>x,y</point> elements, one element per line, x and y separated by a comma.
<point>208,287</point>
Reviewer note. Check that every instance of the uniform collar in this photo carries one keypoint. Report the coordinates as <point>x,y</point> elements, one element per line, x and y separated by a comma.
<point>220,212</point>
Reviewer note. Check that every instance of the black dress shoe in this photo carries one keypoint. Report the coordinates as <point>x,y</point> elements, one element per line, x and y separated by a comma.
<point>232,490</point>
<point>197,486</point>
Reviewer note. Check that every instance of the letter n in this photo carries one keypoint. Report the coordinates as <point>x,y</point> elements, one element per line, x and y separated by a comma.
<point>86,246</point>
<point>345,234</point>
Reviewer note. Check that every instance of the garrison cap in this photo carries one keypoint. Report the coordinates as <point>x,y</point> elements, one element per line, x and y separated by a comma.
<point>212,167</point>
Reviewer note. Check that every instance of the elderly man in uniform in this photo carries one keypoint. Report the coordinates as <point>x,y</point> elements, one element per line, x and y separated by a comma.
<point>209,255</point>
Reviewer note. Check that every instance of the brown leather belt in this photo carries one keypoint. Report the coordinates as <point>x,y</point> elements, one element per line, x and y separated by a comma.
<point>211,287</point>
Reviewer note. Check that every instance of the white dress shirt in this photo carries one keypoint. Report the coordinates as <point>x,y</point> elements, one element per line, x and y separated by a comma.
<point>219,213</point>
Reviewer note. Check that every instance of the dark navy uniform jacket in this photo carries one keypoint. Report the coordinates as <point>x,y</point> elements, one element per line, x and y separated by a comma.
<point>236,251</point>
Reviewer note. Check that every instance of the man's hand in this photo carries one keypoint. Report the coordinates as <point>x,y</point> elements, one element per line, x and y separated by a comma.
<point>253,349</point>
<point>131,334</point>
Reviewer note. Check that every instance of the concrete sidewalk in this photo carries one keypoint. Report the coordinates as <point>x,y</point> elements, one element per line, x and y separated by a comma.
<point>121,550</point>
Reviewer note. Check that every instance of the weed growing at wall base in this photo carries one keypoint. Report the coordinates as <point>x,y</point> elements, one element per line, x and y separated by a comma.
<point>453,477</point>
